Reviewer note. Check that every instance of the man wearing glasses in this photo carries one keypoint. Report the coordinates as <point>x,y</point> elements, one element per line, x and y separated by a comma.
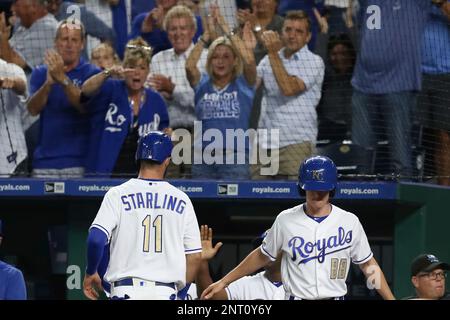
<point>428,278</point>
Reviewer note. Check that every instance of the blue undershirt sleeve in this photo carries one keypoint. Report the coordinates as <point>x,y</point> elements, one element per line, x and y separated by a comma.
<point>96,242</point>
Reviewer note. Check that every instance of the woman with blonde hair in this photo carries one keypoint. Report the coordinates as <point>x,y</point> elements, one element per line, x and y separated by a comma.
<point>223,100</point>
<point>122,110</point>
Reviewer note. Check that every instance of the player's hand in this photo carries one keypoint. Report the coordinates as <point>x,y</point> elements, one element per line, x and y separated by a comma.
<point>214,288</point>
<point>92,284</point>
<point>208,250</point>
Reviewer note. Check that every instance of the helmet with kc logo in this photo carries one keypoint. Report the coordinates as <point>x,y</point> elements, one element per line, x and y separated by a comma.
<point>317,173</point>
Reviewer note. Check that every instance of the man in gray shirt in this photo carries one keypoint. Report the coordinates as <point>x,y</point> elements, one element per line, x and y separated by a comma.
<point>32,37</point>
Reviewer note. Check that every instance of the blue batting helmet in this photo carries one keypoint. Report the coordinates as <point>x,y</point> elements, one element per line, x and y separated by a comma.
<point>318,173</point>
<point>155,146</point>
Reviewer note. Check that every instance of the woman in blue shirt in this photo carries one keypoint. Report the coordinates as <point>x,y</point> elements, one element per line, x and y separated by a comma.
<point>122,110</point>
<point>223,101</point>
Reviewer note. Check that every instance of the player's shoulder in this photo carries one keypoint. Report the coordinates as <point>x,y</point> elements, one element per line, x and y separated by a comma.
<point>344,214</point>
<point>285,214</point>
<point>117,189</point>
<point>9,270</point>
<point>170,188</point>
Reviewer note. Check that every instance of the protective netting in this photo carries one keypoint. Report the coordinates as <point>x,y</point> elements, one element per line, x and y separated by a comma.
<point>365,82</point>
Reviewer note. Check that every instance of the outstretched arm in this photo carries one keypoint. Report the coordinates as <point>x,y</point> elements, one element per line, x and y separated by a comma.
<point>92,85</point>
<point>375,275</point>
<point>254,261</point>
<point>203,279</point>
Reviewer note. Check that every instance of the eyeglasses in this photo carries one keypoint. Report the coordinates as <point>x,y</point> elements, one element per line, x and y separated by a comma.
<point>146,48</point>
<point>434,275</point>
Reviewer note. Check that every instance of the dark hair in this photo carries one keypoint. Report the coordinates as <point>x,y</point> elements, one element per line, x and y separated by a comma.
<point>299,15</point>
<point>343,39</point>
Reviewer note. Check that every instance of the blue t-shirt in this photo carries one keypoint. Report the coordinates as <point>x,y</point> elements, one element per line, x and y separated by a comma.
<point>436,44</point>
<point>12,284</point>
<point>228,108</point>
<point>111,119</point>
<point>158,38</point>
<point>63,130</point>
<point>390,55</point>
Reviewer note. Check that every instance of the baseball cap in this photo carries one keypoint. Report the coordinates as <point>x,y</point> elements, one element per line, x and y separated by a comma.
<point>427,263</point>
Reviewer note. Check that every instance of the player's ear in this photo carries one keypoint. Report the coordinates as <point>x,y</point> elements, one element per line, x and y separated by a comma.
<point>415,281</point>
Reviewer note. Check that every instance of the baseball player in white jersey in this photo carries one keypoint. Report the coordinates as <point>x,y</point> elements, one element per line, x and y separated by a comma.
<point>317,240</point>
<point>265,285</point>
<point>152,229</point>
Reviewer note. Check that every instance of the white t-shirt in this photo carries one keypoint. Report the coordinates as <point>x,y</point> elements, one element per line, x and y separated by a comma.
<point>256,287</point>
<point>151,226</point>
<point>12,139</point>
<point>295,117</point>
<point>316,256</point>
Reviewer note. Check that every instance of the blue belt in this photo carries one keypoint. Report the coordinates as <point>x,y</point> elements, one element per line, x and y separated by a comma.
<point>129,282</point>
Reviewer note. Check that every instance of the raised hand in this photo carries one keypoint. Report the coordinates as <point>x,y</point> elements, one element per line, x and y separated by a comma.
<point>245,15</point>
<point>248,36</point>
<point>154,18</point>
<point>271,41</point>
<point>219,19</point>
<point>5,30</point>
<point>208,250</point>
<point>55,65</point>
<point>160,83</point>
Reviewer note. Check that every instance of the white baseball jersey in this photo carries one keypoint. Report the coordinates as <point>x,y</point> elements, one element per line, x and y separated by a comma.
<point>151,226</point>
<point>316,256</point>
<point>256,287</point>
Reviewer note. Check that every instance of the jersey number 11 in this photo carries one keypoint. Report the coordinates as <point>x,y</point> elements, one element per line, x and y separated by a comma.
<point>157,225</point>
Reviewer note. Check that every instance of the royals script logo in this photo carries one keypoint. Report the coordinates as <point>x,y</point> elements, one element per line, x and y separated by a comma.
<point>303,250</point>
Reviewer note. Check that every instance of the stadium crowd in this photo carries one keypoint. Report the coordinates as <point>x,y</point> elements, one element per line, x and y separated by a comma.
<point>81,82</point>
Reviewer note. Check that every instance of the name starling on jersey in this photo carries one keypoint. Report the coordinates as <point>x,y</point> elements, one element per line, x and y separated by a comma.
<point>150,200</point>
<point>303,249</point>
